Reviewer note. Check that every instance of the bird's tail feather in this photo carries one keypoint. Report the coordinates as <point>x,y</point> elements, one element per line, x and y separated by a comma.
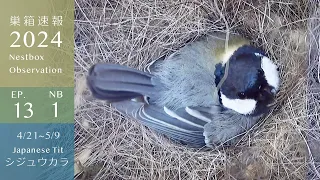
<point>117,83</point>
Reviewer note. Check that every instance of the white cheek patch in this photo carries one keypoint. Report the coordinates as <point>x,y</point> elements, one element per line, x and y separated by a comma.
<point>242,106</point>
<point>270,72</point>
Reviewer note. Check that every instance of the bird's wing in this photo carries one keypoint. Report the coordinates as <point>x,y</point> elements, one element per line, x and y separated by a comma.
<point>226,126</point>
<point>152,66</point>
<point>185,125</point>
<point>193,126</point>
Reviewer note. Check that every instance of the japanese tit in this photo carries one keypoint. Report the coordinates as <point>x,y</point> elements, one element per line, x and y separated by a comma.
<point>201,95</point>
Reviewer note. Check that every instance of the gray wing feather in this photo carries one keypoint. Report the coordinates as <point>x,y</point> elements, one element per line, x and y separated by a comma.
<point>186,127</point>
<point>116,83</point>
<point>188,131</point>
<point>227,125</point>
<point>152,66</point>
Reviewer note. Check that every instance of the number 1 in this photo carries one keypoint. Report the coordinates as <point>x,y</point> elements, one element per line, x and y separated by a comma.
<point>55,109</point>
<point>18,110</point>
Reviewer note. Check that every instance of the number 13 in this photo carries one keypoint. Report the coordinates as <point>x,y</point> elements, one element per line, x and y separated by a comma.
<point>29,110</point>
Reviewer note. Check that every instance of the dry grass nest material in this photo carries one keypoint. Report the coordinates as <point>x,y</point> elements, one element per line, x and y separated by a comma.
<point>132,33</point>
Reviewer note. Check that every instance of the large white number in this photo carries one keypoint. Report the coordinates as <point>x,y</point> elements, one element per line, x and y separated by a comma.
<point>45,38</point>
<point>29,110</point>
<point>25,39</point>
<point>55,109</point>
<point>18,110</point>
<point>55,40</point>
<point>18,36</point>
<point>58,41</point>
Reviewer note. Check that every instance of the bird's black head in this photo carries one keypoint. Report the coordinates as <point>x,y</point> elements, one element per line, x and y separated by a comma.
<point>249,87</point>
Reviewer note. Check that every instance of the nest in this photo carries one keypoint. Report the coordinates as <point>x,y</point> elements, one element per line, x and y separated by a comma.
<point>133,33</point>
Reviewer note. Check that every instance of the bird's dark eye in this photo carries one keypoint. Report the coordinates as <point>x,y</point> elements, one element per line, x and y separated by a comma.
<point>241,95</point>
<point>260,71</point>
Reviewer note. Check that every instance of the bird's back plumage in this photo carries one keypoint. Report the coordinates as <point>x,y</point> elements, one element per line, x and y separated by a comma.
<point>124,91</point>
<point>184,73</point>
